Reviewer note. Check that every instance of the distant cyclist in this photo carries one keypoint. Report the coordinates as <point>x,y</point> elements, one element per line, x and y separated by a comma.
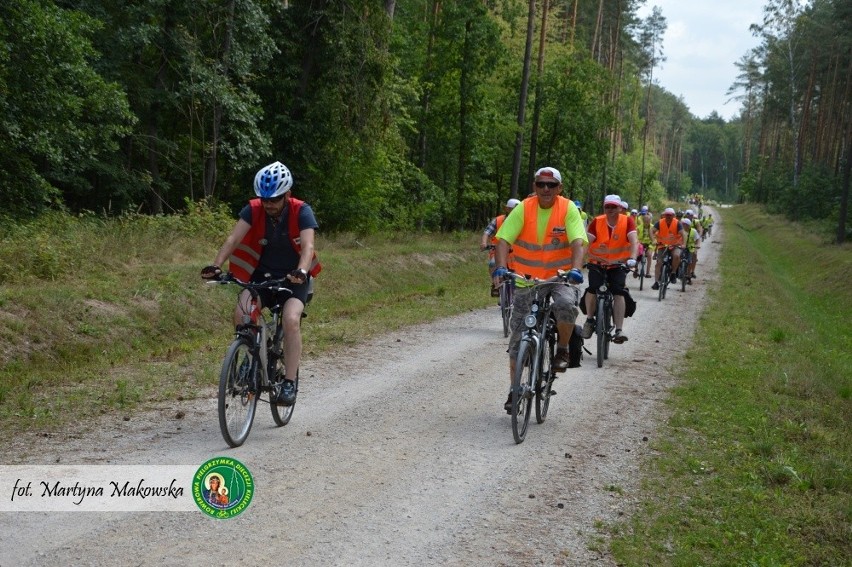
<point>612,238</point>
<point>643,234</point>
<point>546,234</point>
<point>489,237</point>
<point>693,243</point>
<point>273,239</point>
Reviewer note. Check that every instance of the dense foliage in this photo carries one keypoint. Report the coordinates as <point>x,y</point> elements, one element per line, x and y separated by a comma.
<point>406,114</point>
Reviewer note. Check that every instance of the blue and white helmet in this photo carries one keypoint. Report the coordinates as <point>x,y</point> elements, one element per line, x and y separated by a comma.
<point>272,181</point>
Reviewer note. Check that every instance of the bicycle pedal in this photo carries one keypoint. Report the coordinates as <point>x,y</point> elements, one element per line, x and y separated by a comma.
<point>552,392</point>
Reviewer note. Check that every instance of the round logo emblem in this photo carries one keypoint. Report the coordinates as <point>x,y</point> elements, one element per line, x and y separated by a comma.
<point>222,487</point>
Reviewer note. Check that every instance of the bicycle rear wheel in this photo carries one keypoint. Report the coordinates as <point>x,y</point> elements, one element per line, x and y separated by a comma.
<point>237,392</point>
<point>281,414</point>
<point>506,300</point>
<point>522,390</point>
<point>546,373</point>
<point>601,331</point>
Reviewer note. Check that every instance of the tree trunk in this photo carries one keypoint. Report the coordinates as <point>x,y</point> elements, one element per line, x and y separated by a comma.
<point>537,108</point>
<point>522,102</point>
<point>210,167</point>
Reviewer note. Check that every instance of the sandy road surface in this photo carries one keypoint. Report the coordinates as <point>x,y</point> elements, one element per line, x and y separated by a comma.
<point>399,453</point>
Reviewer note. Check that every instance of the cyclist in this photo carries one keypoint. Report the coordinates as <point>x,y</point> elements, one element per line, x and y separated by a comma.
<point>612,238</point>
<point>708,223</point>
<point>547,234</point>
<point>668,231</point>
<point>696,224</point>
<point>489,237</point>
<point>583,214</point>
<point>643,234</point>
<point>693,243</point>
<point>273,239</point>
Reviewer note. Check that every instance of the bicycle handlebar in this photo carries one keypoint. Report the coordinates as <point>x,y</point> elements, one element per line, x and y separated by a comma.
<point>561,277</point>
<point>273,285</point>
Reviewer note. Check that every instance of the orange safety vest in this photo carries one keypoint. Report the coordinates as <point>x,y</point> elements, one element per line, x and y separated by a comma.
<point>542,260</point>
<point>491,255</point>
<point>668,235</point>
<point>608,249</point>
<point>246,255</point>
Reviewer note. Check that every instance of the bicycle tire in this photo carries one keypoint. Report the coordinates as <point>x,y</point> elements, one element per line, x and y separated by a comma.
<point>601,332</point>
<point>281,414</point>
<point>609,328</point>
<point>237,392</point>
<point>506,307</point>
<point>641,267</point>
<point>682,275</point>
<point>546,373</point>
<point>664,282</point>
<point>522,392</point>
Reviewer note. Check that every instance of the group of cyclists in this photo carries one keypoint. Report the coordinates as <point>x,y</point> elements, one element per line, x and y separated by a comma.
<point>538,237</point>
<point>547,233</point>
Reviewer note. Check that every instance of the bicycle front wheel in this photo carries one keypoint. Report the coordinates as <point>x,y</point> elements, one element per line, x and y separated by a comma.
<point>664,282</point>
<point>237,392</point>
<point>600,330</point>
<point>641,268</point>
<point>522,390</point>
<point>506,306</point>
<point>682,271</point>
<point>546,374</point>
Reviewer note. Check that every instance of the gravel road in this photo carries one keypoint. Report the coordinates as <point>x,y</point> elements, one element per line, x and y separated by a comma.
<point>399,453</point>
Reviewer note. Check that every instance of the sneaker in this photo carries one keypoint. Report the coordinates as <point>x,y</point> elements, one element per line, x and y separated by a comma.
<point>589,327</point>
<point>508,405</point>
<point>287,394</point>
<point>689,281</point>
<point>560,360</point>
<point>619,337</point>
<point>673,279</point>
<point>495,292</point>
<point>656,285</point>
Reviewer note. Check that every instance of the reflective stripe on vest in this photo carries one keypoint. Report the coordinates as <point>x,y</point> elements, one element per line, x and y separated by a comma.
<point>542,260</point>
<point>246,255</point>
<point>668,235</point>
<point>607,249</point>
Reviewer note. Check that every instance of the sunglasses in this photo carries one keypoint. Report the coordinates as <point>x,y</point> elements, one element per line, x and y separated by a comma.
<point>548,184</point>
<point>277,199</point>
<point>611,207</point>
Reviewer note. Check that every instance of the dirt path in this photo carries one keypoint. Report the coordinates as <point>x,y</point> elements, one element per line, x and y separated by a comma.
<point>399,453</point>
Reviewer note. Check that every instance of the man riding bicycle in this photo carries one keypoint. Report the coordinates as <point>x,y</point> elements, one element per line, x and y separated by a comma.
<point>667,232</point>
<point>546,234</point>
<point>612,239</point>
<point>273,239</point>
<point>643,234</point>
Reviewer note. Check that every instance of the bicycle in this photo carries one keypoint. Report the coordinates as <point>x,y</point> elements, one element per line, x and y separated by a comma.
<point>534,373</point>
<point>665,272</point>
<point>641,265</point>
<point>507,299</point>
<point>604,324</point>
<point>253,365</point>
<point>683,268</point>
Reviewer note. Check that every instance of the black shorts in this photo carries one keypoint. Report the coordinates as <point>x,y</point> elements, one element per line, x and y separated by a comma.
<point>302,292</point>
<point>615,278</point>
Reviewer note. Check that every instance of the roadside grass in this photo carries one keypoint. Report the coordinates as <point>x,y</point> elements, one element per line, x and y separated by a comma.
<point>104,315</point>
<point>755,462</point>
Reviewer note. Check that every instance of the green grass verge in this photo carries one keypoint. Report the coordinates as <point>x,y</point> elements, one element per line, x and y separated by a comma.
<point>755,465</point>
<point>101,316</point>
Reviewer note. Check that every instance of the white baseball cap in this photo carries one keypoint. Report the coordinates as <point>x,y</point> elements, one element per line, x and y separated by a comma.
<point>613,200</point>
<point>548,173</point>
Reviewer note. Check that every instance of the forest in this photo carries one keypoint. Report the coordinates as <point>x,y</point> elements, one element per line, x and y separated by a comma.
<point>418,115</point>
